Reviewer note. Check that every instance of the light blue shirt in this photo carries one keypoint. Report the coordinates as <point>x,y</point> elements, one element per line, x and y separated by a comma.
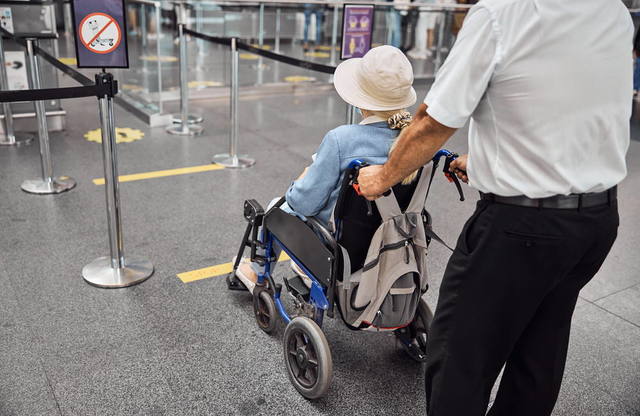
<point>316,193</point>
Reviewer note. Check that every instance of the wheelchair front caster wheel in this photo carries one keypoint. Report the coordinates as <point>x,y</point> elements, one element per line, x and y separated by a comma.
<point>264,309</point>
<point>308,358</point>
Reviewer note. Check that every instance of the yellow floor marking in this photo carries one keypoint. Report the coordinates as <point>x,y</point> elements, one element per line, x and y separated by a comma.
<point>298,78</point>
<point>204,84</point>
<point>132,87</point>
<point>264,47</point>
<point>163,58</point>
<point>214,271</point>
<point>317,54</point>
<point>163,173</point>
<point>325,48</point>
<point>68,61</point>
<point>248,56</point>
<point>123,135</point>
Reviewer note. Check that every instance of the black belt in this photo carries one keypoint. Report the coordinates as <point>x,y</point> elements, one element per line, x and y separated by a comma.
<point>573,201</point>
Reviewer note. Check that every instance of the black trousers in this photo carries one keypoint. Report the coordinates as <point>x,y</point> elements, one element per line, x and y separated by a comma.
<point>507,296</point>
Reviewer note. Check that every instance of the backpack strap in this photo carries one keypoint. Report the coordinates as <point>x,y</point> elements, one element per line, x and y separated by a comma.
<point>422,189</point>
<point>388,206</point>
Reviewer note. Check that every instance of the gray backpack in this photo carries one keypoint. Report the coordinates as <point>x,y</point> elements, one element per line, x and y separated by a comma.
<point>384,294</point>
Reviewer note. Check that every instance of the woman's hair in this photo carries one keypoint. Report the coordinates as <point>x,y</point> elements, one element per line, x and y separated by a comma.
<point>397,120</point>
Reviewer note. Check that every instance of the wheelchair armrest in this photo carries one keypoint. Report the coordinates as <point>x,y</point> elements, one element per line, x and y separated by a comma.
<point>318,227</point>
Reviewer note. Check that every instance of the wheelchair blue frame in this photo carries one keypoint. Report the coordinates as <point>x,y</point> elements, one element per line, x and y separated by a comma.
<point>317,296</point>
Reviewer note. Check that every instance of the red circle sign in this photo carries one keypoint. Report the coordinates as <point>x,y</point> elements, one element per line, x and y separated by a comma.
<point>100,33</point>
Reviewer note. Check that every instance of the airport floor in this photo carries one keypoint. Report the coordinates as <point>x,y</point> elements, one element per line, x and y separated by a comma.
<point>166,347</point>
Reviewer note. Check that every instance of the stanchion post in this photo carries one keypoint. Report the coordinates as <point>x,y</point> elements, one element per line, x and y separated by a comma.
<point>334,33</point>
<point>10,138</point>
<point>351,114</point>
<point>199,17</point>
<point>48,184</point>
<point>143,24</point>
<point>68,20</point>
<point>278,16</point>
<point>440,43</point>
<point>116,270</point>
<point>184,123</point>
<point>261,26</point>
<point>232,159</point>
<point>158,18</point>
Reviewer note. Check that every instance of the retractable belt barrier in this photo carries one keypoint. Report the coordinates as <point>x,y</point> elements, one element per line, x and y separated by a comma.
<point>313,66</point>
<point>232,159</point>
<point>116,270</point>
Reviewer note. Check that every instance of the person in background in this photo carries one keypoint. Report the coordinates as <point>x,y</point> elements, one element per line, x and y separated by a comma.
<point>394,23</point>
<point>423,38</point>
<point>318,11</point>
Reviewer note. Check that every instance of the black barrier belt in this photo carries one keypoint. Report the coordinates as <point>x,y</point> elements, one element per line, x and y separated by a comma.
<point>327,69</point>
<point>52,93</point>
<point>82,79</point>
<point>214,39</point>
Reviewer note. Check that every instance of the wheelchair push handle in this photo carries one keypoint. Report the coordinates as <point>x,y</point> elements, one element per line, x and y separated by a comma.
<point>353,171</point>
<point>446,169</point>
<point>354,168</point>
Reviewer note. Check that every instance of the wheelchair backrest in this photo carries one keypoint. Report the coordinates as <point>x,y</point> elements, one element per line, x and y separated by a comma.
<point>355,226</point>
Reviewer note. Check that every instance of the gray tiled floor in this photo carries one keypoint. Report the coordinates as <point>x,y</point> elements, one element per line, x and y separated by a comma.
<point>169,348</point>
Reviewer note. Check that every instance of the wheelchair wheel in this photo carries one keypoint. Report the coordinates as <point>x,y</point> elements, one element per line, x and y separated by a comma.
<point>264,309</point>
<point>308,358</point>
<point>416,346</point>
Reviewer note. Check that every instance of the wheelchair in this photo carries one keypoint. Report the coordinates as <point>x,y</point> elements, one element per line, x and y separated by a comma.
<point>319,252</point>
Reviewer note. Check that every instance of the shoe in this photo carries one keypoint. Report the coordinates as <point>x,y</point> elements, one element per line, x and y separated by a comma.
<point>305,47</point>
<point>248,283</point>
<point>297,270</point>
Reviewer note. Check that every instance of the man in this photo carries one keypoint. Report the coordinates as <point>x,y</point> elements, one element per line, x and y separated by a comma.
<point>548,87</point>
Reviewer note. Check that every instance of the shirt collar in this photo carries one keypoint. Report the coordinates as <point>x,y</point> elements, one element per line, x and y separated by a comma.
<point>371,120</point>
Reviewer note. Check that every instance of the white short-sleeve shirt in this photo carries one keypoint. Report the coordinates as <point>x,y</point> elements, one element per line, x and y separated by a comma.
<point>548,87</point>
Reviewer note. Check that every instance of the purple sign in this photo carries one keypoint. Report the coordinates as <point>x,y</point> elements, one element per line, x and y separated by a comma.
<point>357,28</point>
<point>101,33</point>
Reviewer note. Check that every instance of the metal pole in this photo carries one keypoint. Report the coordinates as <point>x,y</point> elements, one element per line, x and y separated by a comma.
<point>334,33</point>
<point>199,18</point>
<point>185,124</point>
<point>68,23</point>
<point>232,159</point>
<point>351,114</point>
<point>441,27</point>
<point>9,138</point>
<point>143,24</point>
<point>158,54</point>
<point>114,271</point>
<point>277,46</point>
<point>261,26</point>
<point>48,184</point>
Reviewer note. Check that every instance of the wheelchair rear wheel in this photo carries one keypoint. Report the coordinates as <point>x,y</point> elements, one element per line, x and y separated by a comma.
<point>264,309</point>
<point>308,358</point>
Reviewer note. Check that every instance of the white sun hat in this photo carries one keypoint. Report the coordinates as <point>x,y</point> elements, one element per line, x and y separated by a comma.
<point>380,81</point>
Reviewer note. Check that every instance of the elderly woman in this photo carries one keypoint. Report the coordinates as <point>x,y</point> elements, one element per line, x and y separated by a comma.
<point>380,86</point>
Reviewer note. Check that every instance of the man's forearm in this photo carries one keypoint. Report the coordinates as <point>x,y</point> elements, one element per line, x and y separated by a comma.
<point>416,146</point>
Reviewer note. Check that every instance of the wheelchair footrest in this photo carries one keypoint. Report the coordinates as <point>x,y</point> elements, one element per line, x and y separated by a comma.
<point>233,283</point>
<point>296,286</point>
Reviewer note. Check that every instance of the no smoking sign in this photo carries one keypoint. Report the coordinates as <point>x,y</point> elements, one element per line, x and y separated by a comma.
<point>101,33</point>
